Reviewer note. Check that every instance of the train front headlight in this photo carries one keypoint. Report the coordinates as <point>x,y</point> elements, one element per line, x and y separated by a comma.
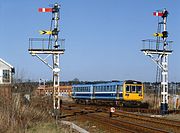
<point>127,94</point>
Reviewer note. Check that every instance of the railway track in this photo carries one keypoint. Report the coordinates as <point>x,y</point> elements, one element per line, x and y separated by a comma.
<point>152,111</point>
<point>151,118</point>
<point>160,123</point>
<point>121,125</point>
<point>121,121</point>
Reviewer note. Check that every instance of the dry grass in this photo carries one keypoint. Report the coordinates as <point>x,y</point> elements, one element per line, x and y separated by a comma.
<point>156,104</point>
<point>48,127</point>
<point>16,117</point>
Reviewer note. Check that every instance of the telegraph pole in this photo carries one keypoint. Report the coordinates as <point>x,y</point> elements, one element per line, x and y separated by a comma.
<point>55,51</point>
<point>159,54</point>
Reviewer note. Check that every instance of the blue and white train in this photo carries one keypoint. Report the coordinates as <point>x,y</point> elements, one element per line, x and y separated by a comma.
<point>121,91</point>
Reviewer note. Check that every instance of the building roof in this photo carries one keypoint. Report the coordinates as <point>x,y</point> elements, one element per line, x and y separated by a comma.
<point>1,60</point>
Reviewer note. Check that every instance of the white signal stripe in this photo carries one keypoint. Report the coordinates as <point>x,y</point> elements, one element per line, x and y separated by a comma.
<point>157,13</point>
<point>43,9</point>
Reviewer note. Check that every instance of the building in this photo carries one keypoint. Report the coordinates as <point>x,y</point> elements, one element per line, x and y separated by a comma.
<point>65,90</point>
<point>6,72</point>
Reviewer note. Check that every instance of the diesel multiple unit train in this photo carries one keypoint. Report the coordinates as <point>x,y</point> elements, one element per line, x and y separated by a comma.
<point>121,92</point>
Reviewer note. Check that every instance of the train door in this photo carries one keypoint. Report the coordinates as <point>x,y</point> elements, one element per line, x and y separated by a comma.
<point>92,92</point>
<point>126,92</point>
<point>117,92</point>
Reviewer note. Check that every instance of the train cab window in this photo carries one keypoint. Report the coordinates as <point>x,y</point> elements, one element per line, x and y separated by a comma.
<point>138,89</point>
<point>133,89</point>
<point>127,88</point>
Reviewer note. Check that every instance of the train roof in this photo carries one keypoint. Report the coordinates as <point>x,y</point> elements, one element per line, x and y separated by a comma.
<point>132,82</point>
<point>100,84</point>
<point>114,82</point>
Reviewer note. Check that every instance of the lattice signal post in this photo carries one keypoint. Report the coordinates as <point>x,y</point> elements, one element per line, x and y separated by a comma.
<point>158,50</point>
<point>49,47</point>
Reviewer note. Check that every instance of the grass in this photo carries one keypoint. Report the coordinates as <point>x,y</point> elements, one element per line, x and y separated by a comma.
<point>48,127</point>
<point>16,117</point>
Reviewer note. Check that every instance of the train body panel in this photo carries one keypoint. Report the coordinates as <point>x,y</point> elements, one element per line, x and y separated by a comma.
<point>129,91</point>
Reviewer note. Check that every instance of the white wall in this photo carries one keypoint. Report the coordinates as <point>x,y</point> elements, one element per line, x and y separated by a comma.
<point>1,74</point>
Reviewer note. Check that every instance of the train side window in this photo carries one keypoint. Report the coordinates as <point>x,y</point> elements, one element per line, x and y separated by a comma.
<point>104,88</point>
<point>118,87</point>
<point>127,88</point>
<point>121,89</point>
<point>101,89</point>
<point>110,88</point>
<point>107,88</point>
<point>133,89</point>
<point>114,88</point>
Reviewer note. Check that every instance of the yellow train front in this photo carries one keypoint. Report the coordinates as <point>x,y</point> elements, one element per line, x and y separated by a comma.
<point>133,92</point>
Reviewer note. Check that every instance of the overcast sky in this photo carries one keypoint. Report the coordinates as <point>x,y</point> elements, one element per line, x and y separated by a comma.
<point>103,38</point>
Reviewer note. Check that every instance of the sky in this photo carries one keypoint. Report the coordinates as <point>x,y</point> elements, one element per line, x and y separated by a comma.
<point>103,38</point>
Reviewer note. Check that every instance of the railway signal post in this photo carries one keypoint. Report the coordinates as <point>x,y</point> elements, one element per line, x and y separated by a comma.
<point>159,50</point>
<point>50,47</point>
